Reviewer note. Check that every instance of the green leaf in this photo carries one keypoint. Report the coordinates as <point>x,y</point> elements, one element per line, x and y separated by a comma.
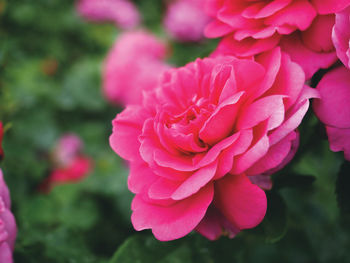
<point>141,249</point>
<point>343,188</point>
<point>293,180</point>
<point>275,221</point>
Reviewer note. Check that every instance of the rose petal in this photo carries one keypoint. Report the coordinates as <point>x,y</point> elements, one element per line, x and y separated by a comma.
<point>126,129</point>
<point>175,221</point>
<point>339,140</point>
<point>333,106</point>
<point>241,202</point>
<point>330,6</point>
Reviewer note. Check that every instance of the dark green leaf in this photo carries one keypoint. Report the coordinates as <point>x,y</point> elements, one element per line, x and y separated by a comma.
<point>141,249</point>
<point>275,221</point>
<point>343,188</point>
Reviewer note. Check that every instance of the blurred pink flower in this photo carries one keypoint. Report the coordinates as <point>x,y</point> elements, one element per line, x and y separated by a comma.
<point>8,228</point>
<point>341,36</point>
<point>68,147</point>
<point>302,28</point>
<point>69,164</point>
<point>333,108</point>
<point>133,65</point>
<point>122,12</point>
<point>206,128</point>
<point>78,168</point>
<point>185,20</point>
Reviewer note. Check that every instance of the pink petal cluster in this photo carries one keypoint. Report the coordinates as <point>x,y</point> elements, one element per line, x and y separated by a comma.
<point>122,12</point>
<point>341,36</point>
<point>333,107</point>
<point>196,138</point>
<point>185,20</point>
<point>301,27</point>
<point>134,65</point>
<point>8,228</point>
<point>70,165</point>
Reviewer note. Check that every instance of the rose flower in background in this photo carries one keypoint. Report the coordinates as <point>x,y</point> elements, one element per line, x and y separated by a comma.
<point>69,164</point>
<point>122,12</point>
<point>301,28</point>
<point>133,65</point>
<point>8,228</point>
<point>185,20</point>
<point>333,108</point>
<point>196,138</point>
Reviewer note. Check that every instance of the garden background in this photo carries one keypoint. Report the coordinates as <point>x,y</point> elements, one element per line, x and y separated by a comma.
<point>50,84</point>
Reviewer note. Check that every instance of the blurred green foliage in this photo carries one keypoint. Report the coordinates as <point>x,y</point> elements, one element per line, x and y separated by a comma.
<point>50,79</point>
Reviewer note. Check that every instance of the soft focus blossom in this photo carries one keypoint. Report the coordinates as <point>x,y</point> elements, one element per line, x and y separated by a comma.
<point>134,65</point>
<point>341,36</point>
<point>185,20</point>
<point>303,28</point>
<point>333,108</point>
<point>69,163</point>
<point>194,141</point>
<point>122,12</point>
<point>8,228</point>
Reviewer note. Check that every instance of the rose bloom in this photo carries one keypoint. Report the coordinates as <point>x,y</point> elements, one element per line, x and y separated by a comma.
<point>122,12</point>
<point>8,228</point>
<point>302,28</point>
<point>133,65</point>
<point>341,36</point>
<point>196,138</point>
<point>185,20</point>
<point>69,163</point>
<point>333,107</point>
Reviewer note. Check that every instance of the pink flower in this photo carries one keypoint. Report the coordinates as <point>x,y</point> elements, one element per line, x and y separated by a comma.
<point>78,168</point>
<point>302,27</point>
<point>341,36</point>
<point>70,165</point>
<point>8,228</point>
<point>333,108</point>
<point>194,141</point>
<point>134,65</point>
<point>122,12</point>
<point>185,20</point>
<point>68,147</point>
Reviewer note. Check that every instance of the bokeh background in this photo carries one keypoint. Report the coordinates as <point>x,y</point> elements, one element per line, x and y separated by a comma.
<point>50,83</point>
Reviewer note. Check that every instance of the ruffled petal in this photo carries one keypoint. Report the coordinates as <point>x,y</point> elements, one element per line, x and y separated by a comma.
<point>175,221</point>
<point>241,202</point>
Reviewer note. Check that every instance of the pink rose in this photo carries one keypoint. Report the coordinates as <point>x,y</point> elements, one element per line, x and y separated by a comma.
<point>134,64</point>
<point>78,169</point>
<point>69,164</point>
<point>341,36</point>
<point>333,108</point>
<point>185,20</point>
<point>301,27</point>
<point>122,12</point>
<point>67,148</point>
<point>206,128</point>
<point>8,228</point>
